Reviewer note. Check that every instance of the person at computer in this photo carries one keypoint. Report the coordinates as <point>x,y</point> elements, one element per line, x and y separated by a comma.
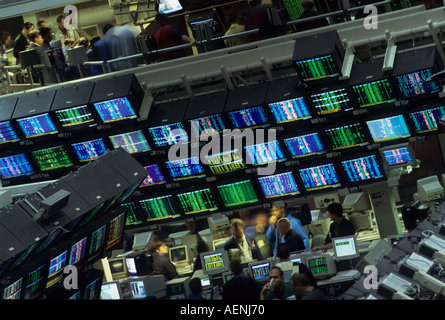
<point>283,255</point>
<point>308,12</point>
<point>340,226</point>
<point>161,262</point>
<point>240,287</point>
<point>276,288</point>
<point>289,236</point>
<point>244,242</point>
<point>195,287</point>
<point>272,234</point>
<point>201,247</point>
<point>304,289</point>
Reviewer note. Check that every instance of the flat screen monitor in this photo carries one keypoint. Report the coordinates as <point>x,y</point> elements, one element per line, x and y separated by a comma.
<point>167,135</point>
<point>52,158</point>
<point>321,266</point>
<point>263,153</point>
<point>15,166</point>
<point>279,185</point>
<point>138,290</point>
<point>133,218</point>
<point>317,68</point>
<point>237,194</point>
<point>249,117</point>
<point>35,281</point>
<point>56,265</point>
<point>209,125</point>
<point>290,110</point>
<point>397,156</point>
<point>8,133</point>
<point>159,208</point>
<point>305,145</point>
<point>320,177</point>
<point>37,126</point>
<point>111,291</point>
<point>225,162</point>
<point>331,102</point>
<point>77,253</point>
<point>260,270</point>
<point>97,243</point>
<point>374,93</point>
<point>132,142</point>
<point>415,84</point>
<point>90,150</point>
<point>115,110</point>
<point>388,129</point>
<point>198,201</point>
<point>76,118</point>
<point>13,291</point>
<point>116,230</point>
<point>184,169</point>
<point>427,120</point>
<point>345,248</point>
<point>154,176</point>
<point>361,169</point>
<point>92,289</point>
<point>169,6</point>
<point>214,262</point>
<point>346,136</point>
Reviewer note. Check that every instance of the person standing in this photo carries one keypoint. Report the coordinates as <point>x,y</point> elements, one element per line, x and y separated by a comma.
<point>244,242</point>
<point>22,41</point>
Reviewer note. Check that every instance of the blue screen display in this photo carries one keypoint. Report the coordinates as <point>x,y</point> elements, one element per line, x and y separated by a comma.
<point>414,84</point>
<point>185,168</point>
<point>427,120</point>
<point>115,110</point>
<point>90,150</point>
<point>37,125</point>
<point>15,166</point>
<point>57,263</point>
<point>132,142</point>
<point>7,133</point>
<point>168,135</point>
<point>290,110</point>
<point>305,145</point>
<point>248,117</point>
<point>387,129</point>
<point>278,185</point>
<point>362,169</point>
<point>263,153</point>
<point>320,177</point>
<point>208,125</point>
<point>154,176</point>
<point>397,156</point>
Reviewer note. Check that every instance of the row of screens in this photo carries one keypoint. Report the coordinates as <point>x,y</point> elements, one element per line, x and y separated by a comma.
<point>358,134</point>
<point>322,103</point>
<point>254,190</point>
<point>376,92</point>
<point>48,276</point>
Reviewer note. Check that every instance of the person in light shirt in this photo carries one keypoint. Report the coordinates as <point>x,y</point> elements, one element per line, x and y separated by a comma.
<point>244,242</point>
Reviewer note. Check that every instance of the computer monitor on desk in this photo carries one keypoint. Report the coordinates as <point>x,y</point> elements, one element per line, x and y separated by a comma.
<point>321,265</point>
<point>111,291</point>
<point>345,248</point>
<point>259,270</point>
<point>215,262</point>
<point>178,289</point>
<point>148,286</point>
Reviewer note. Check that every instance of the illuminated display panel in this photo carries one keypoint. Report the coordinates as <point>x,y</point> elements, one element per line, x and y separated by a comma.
<point>132,142</point>
<point>13,291</point>
<point>290,110</point>
<point>15,166</point>
<point>305,145</point>
<point>97,242</point>
<point>115,110</point>
<point>263,153</point>
<point>168,135</point>
<point>237,193</point>
<point>56,266</point>
<point>347,136</point>
<point>197,201</point>
<point>78,251</point>
<point>249,117</point>
<point>37,126</point>
<point>225,162</point>
<point>185,169</point>
<point>415,84</point>
<point>374,93</point>
<point>317,68</point>
<point>132,214</point>
<point>76,118</point>
<point>330,102</point>
<point>154,176</point>
<point>8,133</point>
<point>320,177</point>
<point>159,208</point>
<point>362,169</point>
<point>387,129</point>
<point>279,185</point>
<point>52,158</point>
<point>90,150</point>
<point>427,120</point>
<point>209,125</point>
<point>116,230</point>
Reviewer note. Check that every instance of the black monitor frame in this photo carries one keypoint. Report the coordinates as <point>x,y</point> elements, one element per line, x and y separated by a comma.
<point>205,212</point>
<point>251,179</point>
<point>330,143</point>
<point>323,189</point>
<point>391,141</point>
<point>351,105</point>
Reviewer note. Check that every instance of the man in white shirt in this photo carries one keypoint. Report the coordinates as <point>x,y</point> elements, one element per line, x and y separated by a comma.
<point>244,242</point>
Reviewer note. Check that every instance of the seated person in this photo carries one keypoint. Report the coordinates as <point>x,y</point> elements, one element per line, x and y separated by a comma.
<point>276,288</point>
<point>308,6</point>
<point>340,226</point>
<point>240,287</point>
<point>283,254</point>
<point>304,289</point>
<point>161,262</point>
<point>196,289</point>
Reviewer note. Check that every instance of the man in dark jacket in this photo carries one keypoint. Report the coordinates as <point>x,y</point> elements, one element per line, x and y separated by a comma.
<point>308,6</point>
<point>161,262</point>
<point>22,41</point>
<point>244,242</point>
<point>290,236</point>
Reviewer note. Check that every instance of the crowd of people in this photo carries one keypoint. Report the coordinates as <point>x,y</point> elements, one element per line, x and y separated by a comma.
<point>257,236</point>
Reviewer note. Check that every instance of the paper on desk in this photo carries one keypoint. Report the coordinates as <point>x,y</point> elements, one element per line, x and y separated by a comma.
<point>419,262</point>
<point>397,283</point>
